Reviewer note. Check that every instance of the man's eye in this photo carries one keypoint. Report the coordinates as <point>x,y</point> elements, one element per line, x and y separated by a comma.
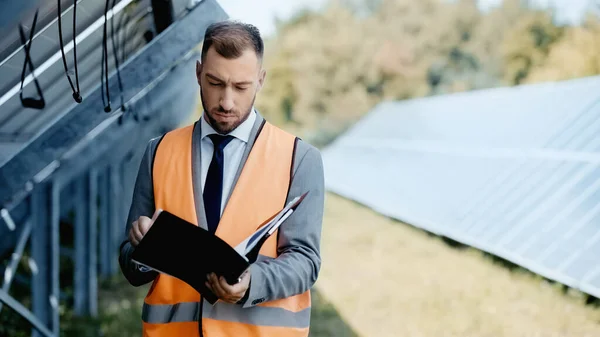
<point>214,84</point>
<point>242,88</point>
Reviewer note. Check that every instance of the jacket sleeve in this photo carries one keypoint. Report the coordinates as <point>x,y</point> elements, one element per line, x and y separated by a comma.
<point>142,204</point>
<point>297,266</point>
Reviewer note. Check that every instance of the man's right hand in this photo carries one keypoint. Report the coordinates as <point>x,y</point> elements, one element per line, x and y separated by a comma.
<point>140,227</point>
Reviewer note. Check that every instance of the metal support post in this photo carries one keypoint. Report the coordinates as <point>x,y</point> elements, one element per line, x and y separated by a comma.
<point>106,252</point>
<point>45,255</point>
<point>92,222</point>
<point>117,222</point>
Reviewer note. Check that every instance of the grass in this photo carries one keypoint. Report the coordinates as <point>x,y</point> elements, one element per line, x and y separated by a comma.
<point>120,315</point>
<point>389,279</point>
<point>381,277</point>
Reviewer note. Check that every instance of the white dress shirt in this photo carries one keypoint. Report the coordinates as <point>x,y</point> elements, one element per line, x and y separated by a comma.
<point>232,154</point>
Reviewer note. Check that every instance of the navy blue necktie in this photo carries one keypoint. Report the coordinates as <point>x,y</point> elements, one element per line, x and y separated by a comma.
<point>213,186</point>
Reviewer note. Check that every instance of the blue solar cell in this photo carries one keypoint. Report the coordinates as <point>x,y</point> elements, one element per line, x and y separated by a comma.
<point>523,185</point>
<point>559,255</point>
<point>562,246</point>
<point>568,214</point>
<point>551,197</point>
<point>581,265</point>
<point>578,243</point>
<point>539,202</point>
<point>468,175</point>
<point>584,134</point>
<point>524,202</point>
<point>481,210</point>
<point>565,172</point>
<point>497,171</point>
<point>595,283</point>
<point>567,136</point>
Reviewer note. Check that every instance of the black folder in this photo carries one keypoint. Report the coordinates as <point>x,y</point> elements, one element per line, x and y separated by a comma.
<point>178,248</point>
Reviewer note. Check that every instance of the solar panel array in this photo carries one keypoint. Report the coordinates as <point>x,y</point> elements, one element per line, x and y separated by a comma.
<point>511,171</point>
<point>19,126</point>
<point>129,26</point>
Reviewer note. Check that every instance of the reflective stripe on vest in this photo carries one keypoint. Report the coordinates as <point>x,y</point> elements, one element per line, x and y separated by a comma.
<point>171,306</point>
<point>188,312</point>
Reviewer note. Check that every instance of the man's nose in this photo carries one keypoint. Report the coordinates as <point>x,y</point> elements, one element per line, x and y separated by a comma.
<point>227,102</point>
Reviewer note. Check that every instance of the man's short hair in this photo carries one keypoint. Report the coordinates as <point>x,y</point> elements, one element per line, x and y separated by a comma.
<point>232,38</point>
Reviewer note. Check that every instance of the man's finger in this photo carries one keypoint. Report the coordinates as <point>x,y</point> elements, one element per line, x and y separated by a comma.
<point>234,292</point>
<point>136,232</point>
<point>208,285</point>
<point>144,224</point>
<point>230,289</point>
<point>132,238</point>
<point>217,287</point>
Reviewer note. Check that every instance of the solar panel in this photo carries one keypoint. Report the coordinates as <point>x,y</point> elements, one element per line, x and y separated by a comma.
<point>19,125</point>
<point>511,171</point>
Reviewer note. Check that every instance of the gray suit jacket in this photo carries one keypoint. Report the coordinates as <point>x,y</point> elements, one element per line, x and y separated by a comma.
<point>296,268</point>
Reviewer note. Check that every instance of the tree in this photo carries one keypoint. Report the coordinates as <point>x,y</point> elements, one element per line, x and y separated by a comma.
<point>527,45</point>
<point>327,69</point>
<point>576,55</point>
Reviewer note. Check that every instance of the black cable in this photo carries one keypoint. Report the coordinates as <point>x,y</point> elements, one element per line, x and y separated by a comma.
<point>75,46</point>
<point>122,29</point>
<point>76,93</point>
<point>29,102</point>
<point>104,79</point>
<point>112,38</point>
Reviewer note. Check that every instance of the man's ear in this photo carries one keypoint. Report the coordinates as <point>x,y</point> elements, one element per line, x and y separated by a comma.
<point>198,70</point>
<point>261,79</point>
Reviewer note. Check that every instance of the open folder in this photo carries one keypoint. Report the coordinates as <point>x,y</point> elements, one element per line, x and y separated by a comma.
<point>178,248</point>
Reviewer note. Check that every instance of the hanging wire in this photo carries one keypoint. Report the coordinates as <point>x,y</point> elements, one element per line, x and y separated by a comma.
<point>29,102</point>
<point>115,55</point>
<point>104,68</point>
<point>76,92</point>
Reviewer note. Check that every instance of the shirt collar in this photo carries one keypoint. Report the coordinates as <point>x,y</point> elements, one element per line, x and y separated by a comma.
<point>242,132</point>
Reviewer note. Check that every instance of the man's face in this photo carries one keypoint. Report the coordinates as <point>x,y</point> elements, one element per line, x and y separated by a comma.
<point>228,88</point>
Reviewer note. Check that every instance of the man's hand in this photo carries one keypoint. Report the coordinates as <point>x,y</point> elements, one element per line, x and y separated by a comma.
<point>140,227</point>
<point>226,292</point>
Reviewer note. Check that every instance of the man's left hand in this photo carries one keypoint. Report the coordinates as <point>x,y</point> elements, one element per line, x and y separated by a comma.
<point>226,292</point>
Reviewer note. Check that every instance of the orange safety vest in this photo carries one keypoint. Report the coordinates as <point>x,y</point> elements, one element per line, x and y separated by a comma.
<point>172,307</point>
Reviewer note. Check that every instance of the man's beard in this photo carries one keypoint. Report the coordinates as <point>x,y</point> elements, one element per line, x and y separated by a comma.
<point>215,125</point>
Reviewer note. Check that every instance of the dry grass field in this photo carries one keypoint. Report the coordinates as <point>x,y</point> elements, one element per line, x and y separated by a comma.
<point>386,278</point>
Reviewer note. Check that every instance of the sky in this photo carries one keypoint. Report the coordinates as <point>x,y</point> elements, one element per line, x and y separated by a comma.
<point>262,13</point>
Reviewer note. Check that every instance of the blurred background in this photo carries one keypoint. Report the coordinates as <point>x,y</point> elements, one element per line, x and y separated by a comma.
<point>460,139</point>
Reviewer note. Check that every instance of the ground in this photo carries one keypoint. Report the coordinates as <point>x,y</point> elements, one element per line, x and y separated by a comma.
<point>389,279</point>
<point>381,277</point>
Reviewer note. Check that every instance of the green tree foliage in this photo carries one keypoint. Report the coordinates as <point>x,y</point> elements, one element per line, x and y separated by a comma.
<point>326,69</point>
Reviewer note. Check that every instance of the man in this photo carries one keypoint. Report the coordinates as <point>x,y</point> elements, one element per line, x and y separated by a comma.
<point>227,173</point>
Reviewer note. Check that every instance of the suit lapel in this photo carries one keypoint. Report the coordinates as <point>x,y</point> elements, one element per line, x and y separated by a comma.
<point>197,164</point>
<point>197,175</point>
